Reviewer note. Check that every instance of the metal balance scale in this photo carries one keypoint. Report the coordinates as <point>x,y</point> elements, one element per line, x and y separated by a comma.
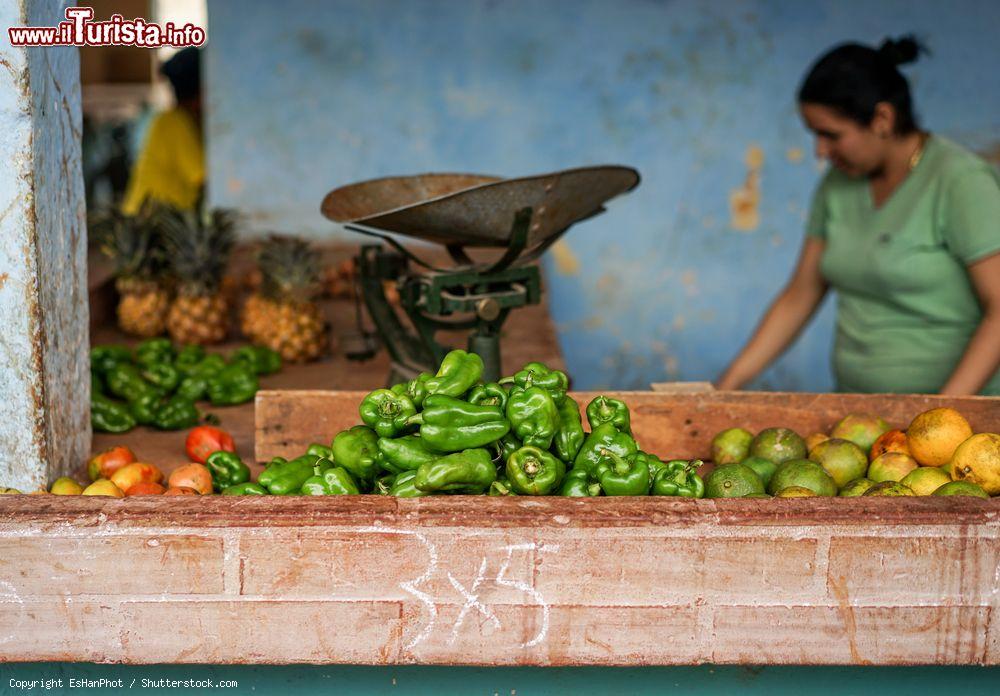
<point>522,217</point>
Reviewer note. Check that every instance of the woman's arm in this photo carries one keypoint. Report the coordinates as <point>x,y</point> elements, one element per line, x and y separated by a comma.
<point>982,355</point>
<point>784,320</point>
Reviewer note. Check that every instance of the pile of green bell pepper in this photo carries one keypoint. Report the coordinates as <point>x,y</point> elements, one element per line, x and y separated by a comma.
<point>158,384</point>
<point>452,434</point>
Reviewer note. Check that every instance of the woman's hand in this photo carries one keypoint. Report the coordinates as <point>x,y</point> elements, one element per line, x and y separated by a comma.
<point>783,321</point>
<point>981,358</point>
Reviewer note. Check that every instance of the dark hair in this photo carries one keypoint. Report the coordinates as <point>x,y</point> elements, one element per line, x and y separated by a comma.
<point>852,79</point>
<point>184,72</point>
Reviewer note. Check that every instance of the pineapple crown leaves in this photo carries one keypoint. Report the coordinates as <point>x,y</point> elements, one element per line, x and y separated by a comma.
<point>198,245</point>
<point>290,269</point>
<point>132,242</point>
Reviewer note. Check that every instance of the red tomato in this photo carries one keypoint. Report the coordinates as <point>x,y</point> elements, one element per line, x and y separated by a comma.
<point>204,440</point>
<point>106,463</point>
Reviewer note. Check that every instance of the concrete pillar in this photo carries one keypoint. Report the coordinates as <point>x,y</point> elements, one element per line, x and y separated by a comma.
<point>44,365</point>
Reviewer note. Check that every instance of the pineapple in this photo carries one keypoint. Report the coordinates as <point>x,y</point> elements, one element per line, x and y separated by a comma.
<point>133,245</point>
<point>198,245</point>
<point>284,315</point>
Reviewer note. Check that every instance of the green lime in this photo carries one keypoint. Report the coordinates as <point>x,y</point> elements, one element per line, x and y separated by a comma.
<point>842,459</point>
<point>764,468</point>
<point>805,473</point>
<point>731,446</point>
<point>778,444</point>
<point>856,488</point>
<point>732,481</point>
<point>888,489</point>
<point>961,488</point>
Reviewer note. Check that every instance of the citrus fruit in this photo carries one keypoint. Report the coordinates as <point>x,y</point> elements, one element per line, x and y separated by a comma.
<point>778,444</point>
<point>802,472</point>
<point>860,428</point>
<point>814,440</point>
<point>889,441</point>
<point>795,492</point>
<point>855,488</point>
<point>888,489</point>
<point>103,487</point>
<point>925,480</point>
<point>978,460</point>
<point>731,446</point>
<point>842,459</point>
<point>934,435</point>
<point>64,485</point>
<point>764,468</point>
<point>961,488</point>
<point>732,481</point>
<point>891,466</point>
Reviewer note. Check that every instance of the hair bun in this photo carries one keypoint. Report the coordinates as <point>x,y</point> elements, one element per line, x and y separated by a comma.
<point>905,49</point>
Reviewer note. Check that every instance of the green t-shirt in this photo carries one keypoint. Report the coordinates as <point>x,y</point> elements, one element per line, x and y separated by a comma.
<point>906,306</point>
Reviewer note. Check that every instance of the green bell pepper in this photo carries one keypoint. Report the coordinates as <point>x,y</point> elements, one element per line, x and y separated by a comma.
<point>162,375</point>
<point>227,469</point>
<point>404,453</point>
<point>383,484</point>
<point>534,416</point>
<point>620,476</point>
<point>155,351</point>
<point>489,394</point>
<point>109,416</point>
<point>506,446</point>
<point>145,408</point>
<point>176,414</point>
<point>386,412</point>
<point>258,359</point>
<point>448,424</point>
<point>103,358</point>
<point>126,382</point>
<point>192,388</point>
<point>403,486</point>
<point>96,383</point>
<point>570,436</point>
<point>287,477</point>
<point>577,484</point>
<point>234,384</point>
<point>357,451</point>
<point>416,388</point>
<point>501,487</point>
<point>606,410</point>
<point>247,488</point>
<point>318,450</point>
<point>470,471</point>
<point>536,374</point>
<point>652,461</point>
<point>604,436</point>
<point>459,371</point>
<point>532,471</point>
<point>678,478</point>
<point>188,358</point>
<point>335,480</point>
<point>208,367</point>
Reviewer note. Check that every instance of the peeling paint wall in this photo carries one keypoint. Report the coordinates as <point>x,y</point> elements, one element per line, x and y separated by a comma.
<point>44,372</point>
<point>698,95</point>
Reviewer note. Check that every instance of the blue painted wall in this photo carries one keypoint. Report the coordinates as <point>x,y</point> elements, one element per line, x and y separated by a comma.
<point>698,95</point>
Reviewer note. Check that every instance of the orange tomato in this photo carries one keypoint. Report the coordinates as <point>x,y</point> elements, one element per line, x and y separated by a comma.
<point>136,472</point>
<point>103,487</point>
<point>145,488</point>
<point>180,490</point>
<point>196,476</point>
<point>109,461</point>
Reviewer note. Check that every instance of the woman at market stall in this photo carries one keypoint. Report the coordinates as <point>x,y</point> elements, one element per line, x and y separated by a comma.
<point>905,227</point>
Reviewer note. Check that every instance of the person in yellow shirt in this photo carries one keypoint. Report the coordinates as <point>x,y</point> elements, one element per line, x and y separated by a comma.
<point>171,166</point>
